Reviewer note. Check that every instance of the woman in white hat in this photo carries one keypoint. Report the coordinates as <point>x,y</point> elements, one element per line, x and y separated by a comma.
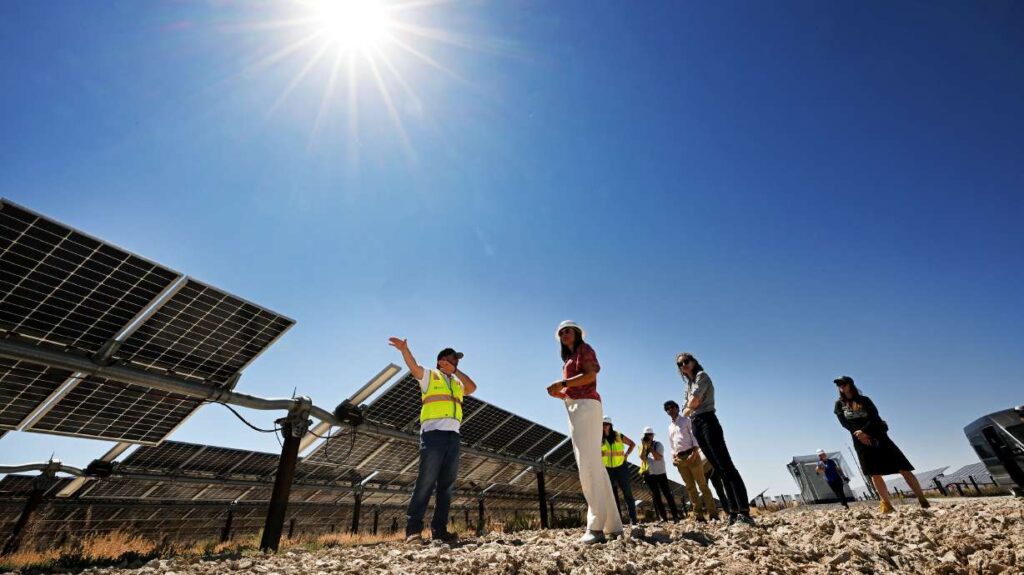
<point>578,389</point>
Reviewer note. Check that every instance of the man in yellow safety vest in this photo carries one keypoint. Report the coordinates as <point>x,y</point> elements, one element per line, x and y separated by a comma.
<point>441,392</point>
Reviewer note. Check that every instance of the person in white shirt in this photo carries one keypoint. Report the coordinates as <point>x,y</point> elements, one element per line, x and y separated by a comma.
<point>441,392</point>
<point>686,458</point>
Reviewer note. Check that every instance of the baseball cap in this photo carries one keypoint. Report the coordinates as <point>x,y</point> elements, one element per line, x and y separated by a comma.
<point>449,351</point>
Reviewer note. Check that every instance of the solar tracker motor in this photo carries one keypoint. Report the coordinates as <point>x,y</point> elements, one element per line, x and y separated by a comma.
<point>350,414</point>
<point>99,468</point>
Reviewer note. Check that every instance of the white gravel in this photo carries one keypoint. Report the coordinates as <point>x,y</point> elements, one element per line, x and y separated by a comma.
<point>967,536</point>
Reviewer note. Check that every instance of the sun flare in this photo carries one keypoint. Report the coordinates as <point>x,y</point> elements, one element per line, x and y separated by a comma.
<point>352,24</point>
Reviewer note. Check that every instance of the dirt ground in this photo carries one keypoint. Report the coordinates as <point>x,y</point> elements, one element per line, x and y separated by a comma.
<point>962,536</point>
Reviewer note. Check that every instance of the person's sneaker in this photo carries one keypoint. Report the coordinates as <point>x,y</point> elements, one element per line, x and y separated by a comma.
<point>714,517</point>
<point>447,537</point>
<point>613,535</point>
<point>732,519</point>
<point>746,519</point>
<point>700,519</point>
<point>592,538</point>
<point>885,507</point>
<point>413,538</point>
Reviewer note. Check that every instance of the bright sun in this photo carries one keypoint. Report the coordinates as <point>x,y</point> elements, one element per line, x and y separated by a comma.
<point>352,24</point>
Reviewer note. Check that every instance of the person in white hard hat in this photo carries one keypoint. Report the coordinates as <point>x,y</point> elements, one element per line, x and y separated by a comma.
<point>833,476</point>
<point>615,449</point>
<point>578,389</point>
<point>652,469</point>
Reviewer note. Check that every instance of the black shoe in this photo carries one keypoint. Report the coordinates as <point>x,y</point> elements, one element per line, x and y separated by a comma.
<point>744,518</point>
<point>732,519</point>
<point>700,519</point>
<point>447,537</point>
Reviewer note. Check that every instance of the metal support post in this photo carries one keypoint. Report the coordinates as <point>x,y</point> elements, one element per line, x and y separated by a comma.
<point>225,534</point>
<point>39,485</point>
<point>542,499</point>
<point>480,517</point>
<point>467,518</point>
<point>551,507</point>
<point>291,528</point>
<point>376,519</point>
<point>293,427</point>
<point>958,489</point>
<point>357,508</point>
<point>942,489</point>
<point>975,484</point>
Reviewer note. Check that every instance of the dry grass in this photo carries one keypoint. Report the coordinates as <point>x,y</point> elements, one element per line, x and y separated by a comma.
<point>119,547</point>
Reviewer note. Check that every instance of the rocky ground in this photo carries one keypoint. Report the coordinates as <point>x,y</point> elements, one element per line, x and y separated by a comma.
<point>965,536</point>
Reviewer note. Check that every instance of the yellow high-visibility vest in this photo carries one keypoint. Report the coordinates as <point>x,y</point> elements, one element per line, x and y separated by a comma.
<point>443,398</point>
<point>613,454</point>
<point>644,454</point>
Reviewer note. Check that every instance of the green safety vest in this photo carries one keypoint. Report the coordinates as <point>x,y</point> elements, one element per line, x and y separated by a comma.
<point>613,454</point>
<point>443,398</point>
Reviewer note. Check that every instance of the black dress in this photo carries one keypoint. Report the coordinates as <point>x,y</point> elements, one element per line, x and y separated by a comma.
<point>882,457</point>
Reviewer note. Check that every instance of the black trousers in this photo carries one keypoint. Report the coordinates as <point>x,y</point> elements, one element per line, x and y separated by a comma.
<point>838,488</point>
<point>658,484</point>
<point>711,439</point>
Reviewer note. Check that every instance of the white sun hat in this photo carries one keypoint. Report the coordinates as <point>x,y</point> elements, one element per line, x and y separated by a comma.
<point>606,419</point>
<point>648,429</point>
<point>570,323</point>
<point>821,452</point>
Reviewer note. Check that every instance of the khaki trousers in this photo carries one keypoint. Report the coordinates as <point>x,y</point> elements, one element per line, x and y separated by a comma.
<point>693,478</point>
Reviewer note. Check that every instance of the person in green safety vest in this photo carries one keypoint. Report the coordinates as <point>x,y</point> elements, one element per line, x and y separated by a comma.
<point>615,448</point>
<point>442,390</point>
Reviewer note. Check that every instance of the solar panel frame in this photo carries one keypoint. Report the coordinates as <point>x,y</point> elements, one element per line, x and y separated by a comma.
<point>204,333</point>
<point>63,288</point>
<point>24,387</point>
<point>102,408</point>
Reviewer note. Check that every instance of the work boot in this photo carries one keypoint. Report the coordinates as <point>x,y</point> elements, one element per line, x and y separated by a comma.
<point>746,519</point>
<point>886,507</point>
<point>592,538</point>
<point>447,537</point>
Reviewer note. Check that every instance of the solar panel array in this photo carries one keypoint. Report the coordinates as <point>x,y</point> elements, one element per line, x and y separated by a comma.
<point>62,288</point>
<point>978,471</point>
<point>65,290</point>
<point>203,333</point>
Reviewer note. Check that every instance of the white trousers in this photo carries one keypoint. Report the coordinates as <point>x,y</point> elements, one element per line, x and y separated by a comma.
<point>585,430</point>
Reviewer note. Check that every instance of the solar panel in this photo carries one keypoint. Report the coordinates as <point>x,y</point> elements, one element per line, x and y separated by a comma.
<point>535,443</point>
<point>63,288</point>
<point>105,409</point>
<point>24,387</point>
<point>203,333</point>
<point>399,405</point>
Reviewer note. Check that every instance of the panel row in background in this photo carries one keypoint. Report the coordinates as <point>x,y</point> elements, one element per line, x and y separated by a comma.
<point>61,520</point>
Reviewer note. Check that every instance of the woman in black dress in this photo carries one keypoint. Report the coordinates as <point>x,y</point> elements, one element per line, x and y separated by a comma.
<point>877,453</point>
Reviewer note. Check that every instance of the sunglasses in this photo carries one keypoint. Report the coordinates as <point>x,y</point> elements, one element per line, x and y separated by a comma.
<point>842,384</point>
<point>683,362</point>
<point>564,330</point>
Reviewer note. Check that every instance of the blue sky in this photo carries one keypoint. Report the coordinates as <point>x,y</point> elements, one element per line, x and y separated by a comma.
<point>789,191</point>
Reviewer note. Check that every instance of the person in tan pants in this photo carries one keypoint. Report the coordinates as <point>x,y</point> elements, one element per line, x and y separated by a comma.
<point>686,457</point>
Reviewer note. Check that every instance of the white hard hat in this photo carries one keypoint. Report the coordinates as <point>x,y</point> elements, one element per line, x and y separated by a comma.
<point>607,420</point>
<point>648,429</point>
<point>821,452</point>
<point>570,323</point>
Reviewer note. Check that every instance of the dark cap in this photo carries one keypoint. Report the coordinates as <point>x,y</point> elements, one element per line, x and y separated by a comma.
<point>843,379</point>
<point>449,351</point>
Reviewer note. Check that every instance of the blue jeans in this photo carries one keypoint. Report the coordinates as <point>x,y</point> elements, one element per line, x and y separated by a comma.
<point>439,467</point>
<point>620,480</point>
